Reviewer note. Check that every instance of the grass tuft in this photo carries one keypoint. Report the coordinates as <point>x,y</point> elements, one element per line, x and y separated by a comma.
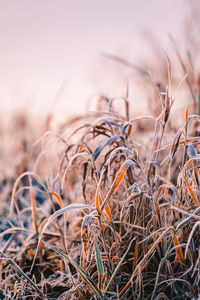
<point>109,206</point>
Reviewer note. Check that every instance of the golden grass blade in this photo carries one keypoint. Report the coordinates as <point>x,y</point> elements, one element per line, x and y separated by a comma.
<point>118,178</point>
<point>108,213</point>
<point>58,198</point>
<point>118,236</point>
<point>178,249</point>
<point>191,192</point>
<point>97,202</point>
<point>166,192</point>
<point>189,161</point>
<point>186,116</point>
<point>34,212</point>
<point>80,295</point>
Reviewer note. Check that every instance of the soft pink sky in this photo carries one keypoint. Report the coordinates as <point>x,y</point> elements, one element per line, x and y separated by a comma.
<point>44,43</point>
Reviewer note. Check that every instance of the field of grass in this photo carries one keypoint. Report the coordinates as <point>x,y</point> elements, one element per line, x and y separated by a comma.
<point>108,205</point>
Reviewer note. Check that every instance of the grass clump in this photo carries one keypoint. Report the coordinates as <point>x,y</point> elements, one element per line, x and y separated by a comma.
<point>110,209</point>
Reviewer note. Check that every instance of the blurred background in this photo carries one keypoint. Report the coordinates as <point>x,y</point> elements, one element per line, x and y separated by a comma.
<point>51,51</point>
<point>58,57</point>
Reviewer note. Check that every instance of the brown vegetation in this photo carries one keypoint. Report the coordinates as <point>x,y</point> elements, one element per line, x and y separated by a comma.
<point>111,206</point>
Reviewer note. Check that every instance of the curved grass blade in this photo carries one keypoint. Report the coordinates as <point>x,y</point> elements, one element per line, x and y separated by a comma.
<point>18,269</point>
<point>190,218</point>
<point>13,197</point>
<point>83,274</point>
<point>99,149</point>
<point>82,154</point>
<point>190,237</point>
<point>58,213</point>
<point>126,63</point>
<point>58,198</point>
<point>175,144</point>
<point>161,296</point>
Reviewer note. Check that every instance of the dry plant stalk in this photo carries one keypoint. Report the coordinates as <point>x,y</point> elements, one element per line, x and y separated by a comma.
<point>116,215</point>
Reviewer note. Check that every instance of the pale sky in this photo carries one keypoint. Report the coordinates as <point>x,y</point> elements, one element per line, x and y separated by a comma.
<point>45,43</point>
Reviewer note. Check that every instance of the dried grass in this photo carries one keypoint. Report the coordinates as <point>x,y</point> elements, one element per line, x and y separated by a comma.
<point>110,209</point>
